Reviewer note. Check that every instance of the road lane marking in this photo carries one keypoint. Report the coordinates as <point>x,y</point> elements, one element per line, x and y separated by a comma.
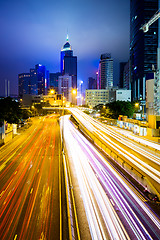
<point>60,188</point>
<point>31,191</point>
<point>15,237</point>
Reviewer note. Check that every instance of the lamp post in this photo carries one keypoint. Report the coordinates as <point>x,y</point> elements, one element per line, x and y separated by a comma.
<point>137,105</point>
<point>81,92</point>
<point>52,91</point>
<point>74,93</point>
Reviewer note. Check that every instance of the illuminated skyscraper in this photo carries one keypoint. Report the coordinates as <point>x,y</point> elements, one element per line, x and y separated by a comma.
<point>35,83</point>
<point>69,63</point>
<point>143,46</point>
<point>105,71</point>
<point>54,80</point>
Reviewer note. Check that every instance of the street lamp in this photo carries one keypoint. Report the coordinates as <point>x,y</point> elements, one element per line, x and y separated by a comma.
<point>74,92</point>
<point>33,110</point>
<point>81,92</point>
<point>52,91</point>
<point>82,100</point>
<point>137,105</point>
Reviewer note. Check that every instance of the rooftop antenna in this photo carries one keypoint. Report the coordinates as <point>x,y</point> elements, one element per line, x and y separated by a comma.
<point>67,36</point>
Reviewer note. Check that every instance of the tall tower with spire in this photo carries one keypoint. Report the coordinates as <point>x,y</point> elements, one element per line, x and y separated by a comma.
<point>69,63</point>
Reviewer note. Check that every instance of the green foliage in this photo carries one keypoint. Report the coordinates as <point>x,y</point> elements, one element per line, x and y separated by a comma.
<point>10,110</point>
<point>26,113</point>
<point>114,109</point>
<point>38,109</point>
<point>98,107</point>
<point>87,112</point>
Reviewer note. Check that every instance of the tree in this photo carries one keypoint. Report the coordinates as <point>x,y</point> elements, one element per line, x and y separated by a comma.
<point>26,113</point>
<point>10,110</point>
<point>114,109</point>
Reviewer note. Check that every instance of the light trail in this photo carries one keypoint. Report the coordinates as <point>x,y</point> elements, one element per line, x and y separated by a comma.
<point>137,139</point>
<point>29,192</point>
<point>91,167</point>
<point>116,142</point>
<point>88,182</point>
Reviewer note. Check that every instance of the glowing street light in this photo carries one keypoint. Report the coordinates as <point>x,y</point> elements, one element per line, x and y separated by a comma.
<point>52,91</point>
<point>137,105</point>
<point>74,93</point>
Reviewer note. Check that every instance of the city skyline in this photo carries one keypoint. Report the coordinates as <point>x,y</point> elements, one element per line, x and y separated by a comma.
<point>34,32</point>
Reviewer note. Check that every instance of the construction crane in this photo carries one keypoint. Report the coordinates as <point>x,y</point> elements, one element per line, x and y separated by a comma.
<point>155,17</point>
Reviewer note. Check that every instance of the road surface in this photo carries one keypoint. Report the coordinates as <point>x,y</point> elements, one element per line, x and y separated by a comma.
<point>114,209</point>
<point>32,197</point>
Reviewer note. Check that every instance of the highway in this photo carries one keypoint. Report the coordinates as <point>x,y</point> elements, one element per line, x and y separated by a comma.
<point>32,204</point>
<point>140,157</point>
<point>114,209</point>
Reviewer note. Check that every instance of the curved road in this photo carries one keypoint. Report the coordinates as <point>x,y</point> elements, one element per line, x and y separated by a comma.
<point>114,209</point>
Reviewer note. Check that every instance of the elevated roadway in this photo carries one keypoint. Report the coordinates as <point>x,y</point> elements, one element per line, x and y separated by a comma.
<point>142,161</point>
<point>113,208</point>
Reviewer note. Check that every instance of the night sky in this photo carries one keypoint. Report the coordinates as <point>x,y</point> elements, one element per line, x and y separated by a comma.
<point>33,31</point>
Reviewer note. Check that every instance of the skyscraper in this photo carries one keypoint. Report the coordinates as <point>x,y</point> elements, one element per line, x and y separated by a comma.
<point>69,63</point>
<point>105,79</point>
<point>126,76</point>
<point>143,46</point>
<point>35,83</point>
<point>92,83</point>
<point>121,70</point>
<point>65,86</point>
<point>54,80</point>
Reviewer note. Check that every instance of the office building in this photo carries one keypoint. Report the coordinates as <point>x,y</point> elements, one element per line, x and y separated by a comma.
<point>143,46</point>
<point>95,97</point>
<point>105,79</point>
<point>121,72</point>
<point>123,95</point>
<point>126,74</point>
<point>92,83</point>
<point>150,97</point>
<point>54,80</point>
<point>35,83</point>
<point>69,63</point>
<point>65,87</point>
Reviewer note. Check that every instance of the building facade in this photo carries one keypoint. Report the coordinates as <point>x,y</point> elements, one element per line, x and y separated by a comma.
<point>54,80</point>
<point>105,79</point>
<point>92,83</point>
<point>69,63</point>
<point>35,83</point>
<point>65,87</point>
<point>121,74</point>
<point>150,97</point>
<point>126,75</point>
<point>95,97</point>
<point>123,95</point>
<point>143,46</point>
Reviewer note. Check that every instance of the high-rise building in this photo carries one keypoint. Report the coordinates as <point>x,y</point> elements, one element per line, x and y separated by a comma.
<point>105,79</point>
<point>143,46</point>
<point>92,83</point>
<point>121,70</point>
<point>126,83</point>
<point>65,86</point>
<point>35,83</point>
<point>24,85</point>
<point>54,80</point>
<point>42,79</point>
<point>69,63</point>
